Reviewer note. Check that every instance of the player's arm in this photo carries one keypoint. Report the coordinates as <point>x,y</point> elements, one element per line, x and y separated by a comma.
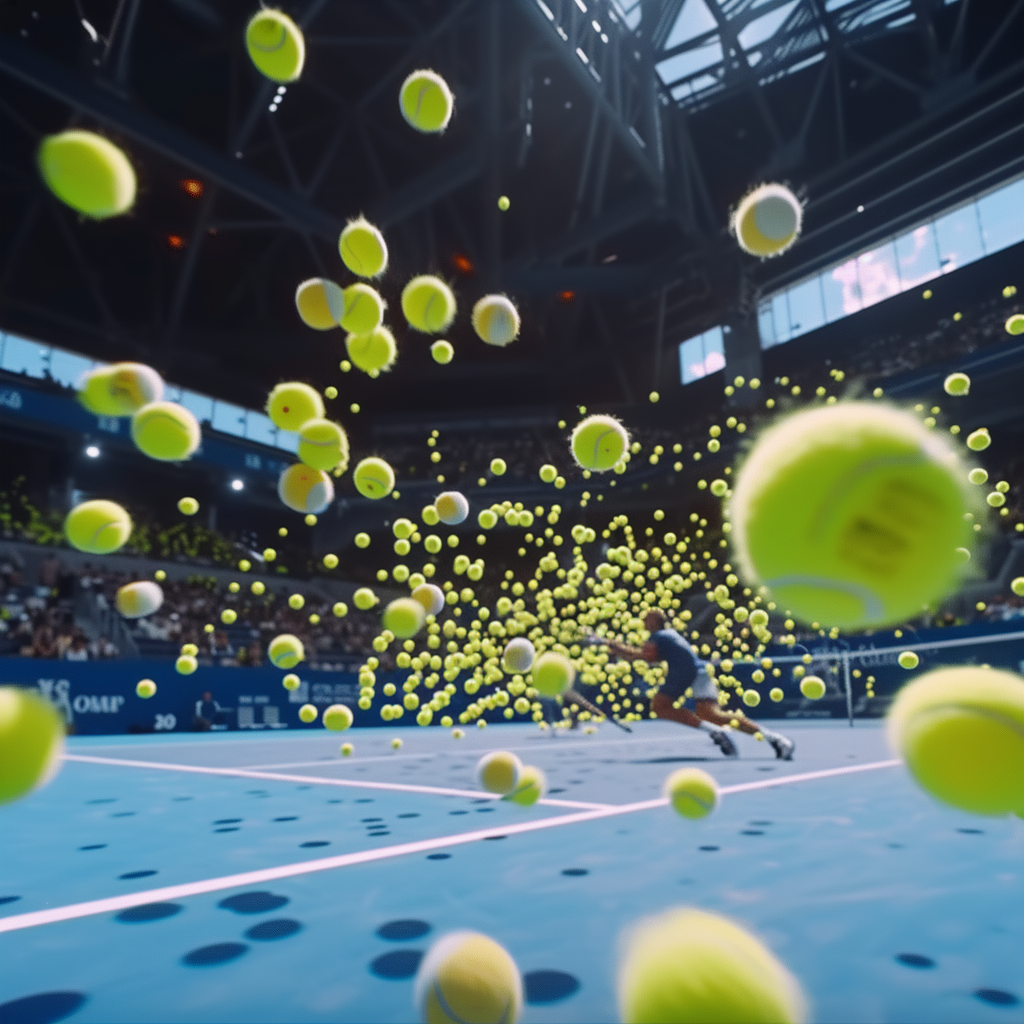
<point>648,652</point>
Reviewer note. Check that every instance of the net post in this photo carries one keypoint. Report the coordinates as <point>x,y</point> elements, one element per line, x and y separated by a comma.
<point>849,689</point>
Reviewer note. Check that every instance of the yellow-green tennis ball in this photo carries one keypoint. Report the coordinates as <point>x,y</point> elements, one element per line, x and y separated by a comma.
<point>552,674</point>
<point>330,561</point>
<point>426,101</point>
<point>404,617</point>
<point>321,303</point>
<point>1015,325</point>
<point>691,792</point>
<point>286,651</point>
<point>275,45</point>
<point>1017,585</point>
<point>851,515</point>
<point>961,733</point>
<point>487,519</point>
<point>767,221</point>
<point>97,527</point>
<point>689,967</point>
<point>364,599</point>
<point>346,749</point>
<point>548,473</point>
<point>145,688</point>
<point>812,687</point>
<point>978,475</point>
<point>304,489</point>
<point>189,649</point>
<point>978,440</point>
<point>373,353</point>
<point>120,389</point>
<point>519,655</point>
<point>428,304</point>
<point>751,698</point>
<point>442,352</point>
<point>291,681</point>
<point>323,445</point>
<point>373,478</point>
<point>498,467</point>
<point>776,694</point>
<point>498,771</point>
<point>337,718</point>
<point>431,597</point>
<point>188,506</point>
<point>296,602</point>
<point>908,660</point>
<point>363,249</point>
<point>31,742</point>
<point>307,713</point>
<point>530,788</point>
<point>88,173</point>
<point>166,431</point>
<point>496,320</point>
<point>364,309</point>
<point>452,507</point>
<point>135,600</point>
<point>362,540</point>
<point>290,404</point>
<point>957,384</point>
<point>396,743</point>
<point>186,664</point>
<point>719,488</point>
<point>598,443</point>
<point>503,203</point>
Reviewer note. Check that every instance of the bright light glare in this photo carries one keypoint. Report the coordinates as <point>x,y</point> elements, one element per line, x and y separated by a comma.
<point>237,485</point>
<point>92,451</point>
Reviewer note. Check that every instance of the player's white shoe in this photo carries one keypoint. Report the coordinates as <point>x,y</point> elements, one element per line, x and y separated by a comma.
<point>724,743</point>
<point>783,747</point>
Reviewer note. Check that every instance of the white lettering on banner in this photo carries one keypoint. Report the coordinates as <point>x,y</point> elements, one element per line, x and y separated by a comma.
<point>253,461</point>
<point>108,424</point>
<point>165,722</point>
<point>10,399</point>
<point>106,704</point>
<point>56,691</point>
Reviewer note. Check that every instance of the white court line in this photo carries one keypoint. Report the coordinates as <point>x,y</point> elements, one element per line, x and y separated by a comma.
<point>72,911</point>
<point>244,773</point>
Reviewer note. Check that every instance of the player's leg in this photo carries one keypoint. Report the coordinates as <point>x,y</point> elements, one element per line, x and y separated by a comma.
<point>664,706</point>
<point>710,711</point>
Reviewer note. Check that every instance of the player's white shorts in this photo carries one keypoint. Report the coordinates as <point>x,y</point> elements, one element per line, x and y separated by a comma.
<point>704,687</point>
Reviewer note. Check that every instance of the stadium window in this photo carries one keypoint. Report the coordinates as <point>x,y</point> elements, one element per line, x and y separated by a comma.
<point>260,428</point>
<point>917,257</point>
<point>806,308</point>
<point>878,274</point>
<point>701,356</point>
<point>67,368</point>
<point>1002,223</point>
<point>228,419</point>
<point>23,356</point>
<point>959,238</point>
<point>199,405</point>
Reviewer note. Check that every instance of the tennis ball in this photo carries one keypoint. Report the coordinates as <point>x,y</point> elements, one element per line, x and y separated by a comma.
<point>375,352</point>
<point>189,649</point>
<point>373,478</point>
<point>812,687</point>
<point>296,602</point>
<point>767,221</point>
<point>430,596</point>
<point>548,473</point>
<point>363,249</point>
<point>776,694</point>
<point>961,733</point>
<point>304,489</point>
<point>404,617</point>
<point>188,506</point>
<point>1015,325</point>
<point>286,651</point>
<point>323,445</point>
<point>1017,585</point>
<point>978,440</point>
<point>689,967</point>
<point>957,384</point>
<point>452,507</point>
<point>186,664</point>
<point>145,688</point>
<point>426,101</point>
<point>346,749</point>
<point>396,743</point>
<point>97,527</point>
<point>337,718</point>
<point>364,599</point>
<point>362,540</point>
<point>498,467</point>
<point>496,320</point>
<point>498,771</point>
<point>552,674</point>
<point>166,431</point>
<point>364,309</point>
<point>751,698</point>
<point>908,660</point>
<point>275,45</point>
<point>530,788</point>
<point>134,600</point>
<point>851,515</point>
<point>321,303</point>
<point>598,443</point>
<point>428,304</point>
<point>307,713</point>
<point>691,792</point>
<point>442,352</point>
<point>291,681</point>
<point>88,173</point>
<point>31,742</point>
<point>518,655</point>
<point>120,389</point>
<point>330,561</point>
<point>289,405</point>
<point>503,203</point>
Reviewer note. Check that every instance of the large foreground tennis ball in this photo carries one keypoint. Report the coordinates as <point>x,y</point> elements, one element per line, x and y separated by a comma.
<point>88,173</point>
<point>323,444</point>
<point>961,733</point>
<point>373,353</point>
<point>552,674</point>
<point>851,515</point>
<point>120,389</point>
<point>304,489</point>
<point>599,442</point>
<point>691,967</point>
<point>404,617</point>
<point>134,600</point>
<point>426,101</point>
<point>97,527</point>
<point>290,404</point>
<point>364,309</point>
<point>518,655</point>
<point>498,771</point>
<point>373,478</point>
<point>467,978</point>
<point>31,742</point>
<point>275,45</point>
<point>691,792</point>
<point>363,249</point>
<point>452,507</point>
<point>431,597</point>
<point>337,717</point>
<point>428,304</point>
<point>530,788</point>
<point>166,431</point>
<point>767,221</point>
<point>496,320</point>
<point>321,303</point>
<point>286,651</point>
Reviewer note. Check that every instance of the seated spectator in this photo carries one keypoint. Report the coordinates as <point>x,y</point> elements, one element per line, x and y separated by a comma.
<point>44,643</point>
<point>78,649</point>
<point>209,714</point>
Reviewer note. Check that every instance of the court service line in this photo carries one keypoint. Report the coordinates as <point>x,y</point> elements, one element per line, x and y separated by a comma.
<point>72,911</point>
<point>244,773</point>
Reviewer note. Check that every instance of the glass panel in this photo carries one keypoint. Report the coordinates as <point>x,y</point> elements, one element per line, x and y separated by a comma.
<point>229,419</point>
<point>199,405</point>
<point>691,358</point>
<point>959,236</point>
<point>260,428</point>
<point>766,325</point>
<point>24,356</point>
<point>66,368</point>
<point>1002,217</point>
<point>806,312</point>
<point>780,314</point>
<point>917,256</point>
<point>287,441</point>
<point>714,351</point>
<point>694,20</point>
<point>841,289</point>
<point>878,274</point>
<point>690,61</point>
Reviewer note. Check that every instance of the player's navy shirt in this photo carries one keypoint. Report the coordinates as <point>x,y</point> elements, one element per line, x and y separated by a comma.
<point>682,663</point>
